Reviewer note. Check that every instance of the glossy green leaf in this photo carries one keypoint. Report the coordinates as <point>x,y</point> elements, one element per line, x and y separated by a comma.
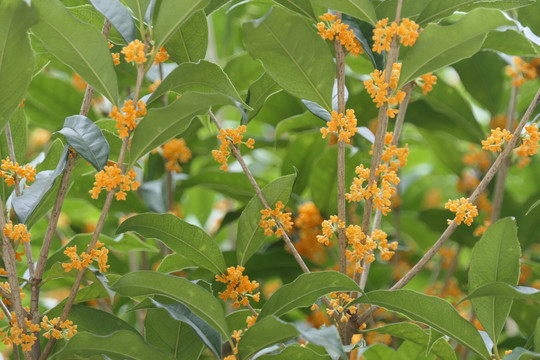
<point>295,352</point>
<point>259,92</point>
<point>412,332</point>
<point>430,310</point>
<point>439,46</point>
<point>175,262</point>
<point>119,17</point>
<point>504,290</point>
<point>361,9</point>
<point>495,258</point>
<point>189,42</point>
<point>520,353</point>
<point>80,46</point>
<point>511,42</point>
<point>188,240</point>
<point>17,60</point>
<point>87,140</point>
<point>197,299</point>
<point>171,15</point>
<point>305,290</point>
<point>234,185</point>
<point>121,344</point>
<point>250,235</point>
<point>264,333</point>
<point>438,9</point>
<point>162,124</point>
<point>301,65</point>
<point>210,337</point>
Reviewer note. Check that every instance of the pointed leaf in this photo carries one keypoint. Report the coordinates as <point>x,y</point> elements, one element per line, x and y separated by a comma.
<point>119,17</point>
<point>118,345</point>
<point>361,9</point>
<point>301,65</point>
<point>328,337</point>
<point>190,41</point>
<point>250,235</point>
<point>205,332</point>
<point>17,57</point>
<point>203,76</point>
<point>175,262</point>
<point>171,15</point>
<point>520,353</point>
<point>197,299</point>
<point>86,139</point>
<point>495,258</point>
<point>439,46</point>
<point>234,185</point>
<point>430,310</point>
<point>511,42</point>
<point>259,92</point>
<point>504,290</point>
<point>305,290</point>
<point>264,333</point>
<point>302,7</point>
<point>80,46</point>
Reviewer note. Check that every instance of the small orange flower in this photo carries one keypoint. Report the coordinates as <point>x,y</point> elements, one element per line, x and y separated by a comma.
<point>17,232</point>
<point>228,136</point>
<point>383,34</point>
<point>428,81</point>
<point>329,227</point>
<point>55,328</point>
<point>379,90</point>
<point>465,211</point>
<point>154,86</point>
<point>161,56</point>
<point>275,218</point>
<point>84,260</point>
<point>126,119</point>
<point>135,51</point>
<point>495,140</point>
<point>523,71</point>
<point>345,126</point>
<point>111,178</point>
<point>529,145</point>
<point>340,31</point>
<point>9,170</point>
<point>175,152</point>
<point>239,288</point>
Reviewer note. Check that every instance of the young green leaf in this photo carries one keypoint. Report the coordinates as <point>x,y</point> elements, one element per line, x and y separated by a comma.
<point>305,290</point>
<point>118,16</point>
<point>264,333</point>
<point>361,9</point>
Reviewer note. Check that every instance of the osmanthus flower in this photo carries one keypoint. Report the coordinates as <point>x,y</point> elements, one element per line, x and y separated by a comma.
<point>428,81</point>
<point>529,144</point>
<point>495,140</point>
<point>481,229</point>
<point>329,227</point>
<point>307,225</point>
<point>126,119</point>
<point>17,336</point>
<point>176,152</point>
<point>7,288</point>
<point>383,34</point>
<point>523,71</point>
<point>344,125</point>
<point>135,51</point>
<point>161,56</point>
<point>84,260</point>
<point>228,136</point>
<point>56,329</point>
<point>110,178</point>
<point>339,303</point>
<point>10,169</point>
<point>335,29</point>
<point>271,218</point>
<point>17,232</point>
<point>465,211</point>
<point>379,90</point>
<point>154,86</point>
<point>363,247</point>
<point>477,158</point>
<point>239,288</point>
<point>115,56</point>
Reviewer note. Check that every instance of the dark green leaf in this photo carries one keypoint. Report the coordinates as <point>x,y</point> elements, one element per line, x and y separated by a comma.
<point>302,7</point>
<point>504,290</point>
<point>189,43</point>
<point>118,16</point>
<point>264,333</point>
<point>305,290</point>
<point>259,92</point>
<point>234,185</point>
<point>302,65</point>
<point>361,9</point>
<point>250,235</point>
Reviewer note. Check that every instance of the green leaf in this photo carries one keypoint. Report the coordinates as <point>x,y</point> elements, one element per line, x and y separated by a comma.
<point>190,42</point>
<point>26,206</point>
<point>305,290</point>
<point>171,15</point>
<point>409,9</point>
<point>438,9</point>
<point>361,9</point>
<point>537,336</point>
<point>17,57</point>
<point>439,46</point>
<point>495,258</point>
<point>162,124</point>
<point>430,310</point>
<point>302,7</point>
<point>234,185</point>
<point>520,353</point>
<point>118,16</point>
<point>298,122</point>
<point>188,240</point>
<point>139,8</point>
<point>19,129</point>
<point>328,337</point>
<point>295,352</point>
<point>259,92</point>
<point>264,333</point>
<point>197,299</point>
<point>175,262</point>
<point>414,333</point>
<point>301,65</point>
<point>504,290</point>
<point>86,139</point>
<point>511,42</point>
<point>205,332</point>
<point>203,77</point>
<point>80,46</point>
<point>118,345</point>
<point>250,235</point>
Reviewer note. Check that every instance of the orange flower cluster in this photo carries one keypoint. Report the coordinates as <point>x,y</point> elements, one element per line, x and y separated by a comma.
<point>529,145</point>
<point>9,170</point>
<point>126,119</point>
<point>363,246</point>
<point>307,226</point>
<point>338,30</point>
<point>477,158</point>
<point>270,219</point>
<point>523,71</point>
<point>339,303</point>
<point>175,152</point>
<point>111,178</point>
<point>5,286</point>
<point>17,232</point>
<point>161,56</point>
<point>345,125</point>
<point>115,56</point>
<point>481,229</point>
<point>465,211</point>
<point>377,88</point>
<point>239,288</point>
<point>384,33</point>
<point>16,335</point>
<point>78,82</point>
<point>329,227</point>
<point>154,86</point>
<point>86,259</point>
<point>494,141</point>
<point>228,136</point>
<point>428,81</point>
<point>237,334</point>
<point>134,51</point>
<point>57,329</point>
